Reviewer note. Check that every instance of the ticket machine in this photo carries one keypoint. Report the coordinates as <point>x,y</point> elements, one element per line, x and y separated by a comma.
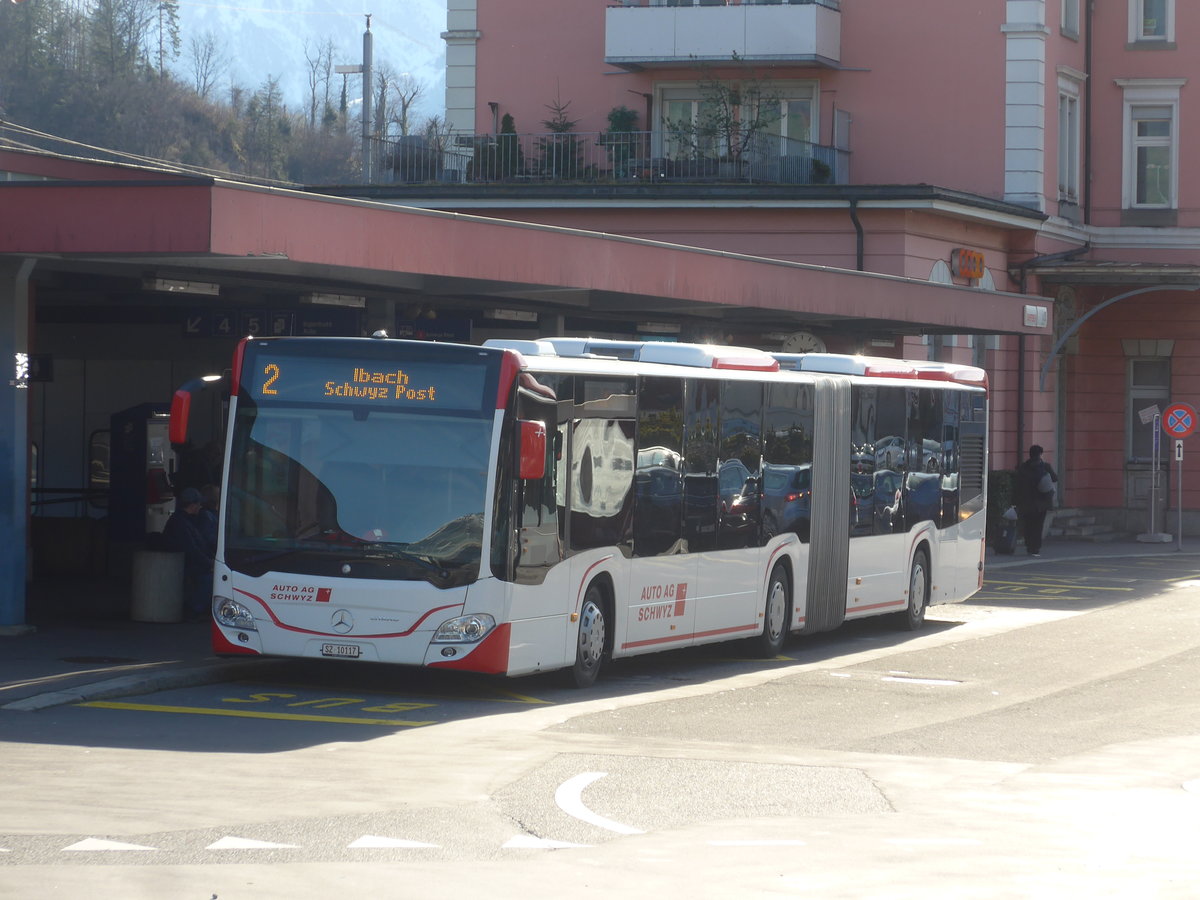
<point>142,465</point>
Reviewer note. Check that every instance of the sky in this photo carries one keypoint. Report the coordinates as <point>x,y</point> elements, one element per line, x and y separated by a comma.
<point>261,38</point>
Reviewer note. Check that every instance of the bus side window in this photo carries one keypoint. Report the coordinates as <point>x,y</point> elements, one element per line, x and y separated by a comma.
<point>658,476</point>
<point>741,460</point>
<point>701,499</point>
<point>600,488</point>
<point>786,485</point>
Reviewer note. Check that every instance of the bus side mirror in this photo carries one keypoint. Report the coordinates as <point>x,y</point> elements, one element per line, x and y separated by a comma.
<point>533,449</point>
<point>181,406</point>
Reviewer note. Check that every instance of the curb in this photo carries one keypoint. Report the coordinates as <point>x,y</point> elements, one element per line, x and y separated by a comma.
<point>127,685</point>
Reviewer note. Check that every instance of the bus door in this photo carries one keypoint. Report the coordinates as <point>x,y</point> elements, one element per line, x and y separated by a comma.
<point>724,430</point>
<point>539,548</point>
<point>661,593</point>
<point>886,491</point>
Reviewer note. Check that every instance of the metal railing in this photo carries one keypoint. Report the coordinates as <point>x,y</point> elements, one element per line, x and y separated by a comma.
<point>604,157</point>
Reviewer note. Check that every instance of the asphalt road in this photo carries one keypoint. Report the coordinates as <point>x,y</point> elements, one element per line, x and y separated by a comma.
<point>1041,740</point>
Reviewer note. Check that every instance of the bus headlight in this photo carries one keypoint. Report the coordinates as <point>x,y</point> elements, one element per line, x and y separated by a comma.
<point>464,629</point>
<point>232,614</point>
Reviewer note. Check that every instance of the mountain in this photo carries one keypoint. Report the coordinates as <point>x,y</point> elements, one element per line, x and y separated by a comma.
<point>257,41</point>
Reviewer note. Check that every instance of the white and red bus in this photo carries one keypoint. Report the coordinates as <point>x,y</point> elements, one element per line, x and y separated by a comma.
<point>530,506</point>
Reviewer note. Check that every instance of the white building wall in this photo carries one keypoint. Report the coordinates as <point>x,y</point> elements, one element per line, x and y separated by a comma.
<point>1025,103</point>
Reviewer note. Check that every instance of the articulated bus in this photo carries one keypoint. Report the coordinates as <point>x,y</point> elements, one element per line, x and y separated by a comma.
<point>528,506</point>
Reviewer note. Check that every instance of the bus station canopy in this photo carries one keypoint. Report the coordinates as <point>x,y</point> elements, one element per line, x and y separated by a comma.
<point>103,225</point>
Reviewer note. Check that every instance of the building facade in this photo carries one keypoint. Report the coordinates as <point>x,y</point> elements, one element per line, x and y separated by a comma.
<point>1031,146</point>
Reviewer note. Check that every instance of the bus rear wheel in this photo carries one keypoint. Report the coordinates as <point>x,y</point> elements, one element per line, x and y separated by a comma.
<point>592,638</point>
<point>913,618</point>
<point>776,614</point>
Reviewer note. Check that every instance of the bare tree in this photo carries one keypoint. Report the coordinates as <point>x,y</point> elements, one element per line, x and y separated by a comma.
<point>406,91</point>
<point>396,95</point>
<point>384,76</point>
<point>320,70</point>
<point>121,33</point>
<point>207,63</point>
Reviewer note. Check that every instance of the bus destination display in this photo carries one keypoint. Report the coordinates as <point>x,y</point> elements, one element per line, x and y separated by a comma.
<point>433,385</point>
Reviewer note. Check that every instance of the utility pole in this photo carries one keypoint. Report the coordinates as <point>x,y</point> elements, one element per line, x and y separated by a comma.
<point>365,71</point>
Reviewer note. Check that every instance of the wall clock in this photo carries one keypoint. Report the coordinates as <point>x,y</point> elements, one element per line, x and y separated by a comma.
<point>803,342</point>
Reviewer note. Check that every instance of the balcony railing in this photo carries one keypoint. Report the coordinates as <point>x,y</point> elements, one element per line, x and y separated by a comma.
<point>603,157</point>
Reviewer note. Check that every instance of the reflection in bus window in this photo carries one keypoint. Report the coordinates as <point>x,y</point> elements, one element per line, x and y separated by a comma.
<point>701,501</point>
<point>601,482</point>
<point>741,459</point>
<point>659,479</point>
<point>308,481</point>
<point>786,488</point>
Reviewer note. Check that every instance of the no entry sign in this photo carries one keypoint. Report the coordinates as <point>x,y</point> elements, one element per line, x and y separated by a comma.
<point>1179,420</point>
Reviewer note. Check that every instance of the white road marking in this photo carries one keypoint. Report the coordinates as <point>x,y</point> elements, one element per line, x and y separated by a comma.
<point>569,798</point>
<point>909,680</point>
<point>371,841</point>
<point>237,843</point>
<point>529,842</point>
<point>89,845</point>
<point>761,843</point>
<point>934,842</point>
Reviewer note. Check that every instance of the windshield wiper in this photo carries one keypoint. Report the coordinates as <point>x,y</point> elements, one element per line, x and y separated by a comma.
<point>395,551</point>
<point>255,559</point>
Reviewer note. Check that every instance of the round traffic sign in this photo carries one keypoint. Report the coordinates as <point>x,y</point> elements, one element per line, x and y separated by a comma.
<point>1179,420</point>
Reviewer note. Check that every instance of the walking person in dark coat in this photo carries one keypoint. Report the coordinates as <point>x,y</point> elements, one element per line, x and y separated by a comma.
<point>1034,488</point>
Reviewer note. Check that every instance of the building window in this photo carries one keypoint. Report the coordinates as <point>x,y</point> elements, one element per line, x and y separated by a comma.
<point>700,121</point>
<point>1151,21</point>
<point>1149,385</point>
<point>1068,141</point>
<point>1070,17</point>
<point>1151,146</point>
<point>790,121</point>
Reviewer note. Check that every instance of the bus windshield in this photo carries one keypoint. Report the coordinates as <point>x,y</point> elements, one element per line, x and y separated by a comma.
<point>357,488</point>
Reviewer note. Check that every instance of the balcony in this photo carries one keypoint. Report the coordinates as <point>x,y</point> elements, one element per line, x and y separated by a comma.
<point>657,35</point>
<point>624,158</point>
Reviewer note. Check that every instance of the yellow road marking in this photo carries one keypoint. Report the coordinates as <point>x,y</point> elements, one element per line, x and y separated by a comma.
<point>514,697</point>
<point>1050,584</point>
<point>249,714</point>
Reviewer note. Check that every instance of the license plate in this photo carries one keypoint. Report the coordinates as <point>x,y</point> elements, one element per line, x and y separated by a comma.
<point>346,651</point>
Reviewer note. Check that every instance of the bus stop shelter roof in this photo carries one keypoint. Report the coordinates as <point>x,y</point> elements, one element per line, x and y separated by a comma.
<point>80,218</point>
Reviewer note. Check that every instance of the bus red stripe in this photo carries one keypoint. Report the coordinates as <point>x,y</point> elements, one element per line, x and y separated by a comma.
<point>676,638</point>
<point>279,624</point>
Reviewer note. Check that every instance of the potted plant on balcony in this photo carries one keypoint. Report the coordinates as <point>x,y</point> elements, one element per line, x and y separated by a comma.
<point>562,150</point>
<point>620,139</point>
<point>510,158</point>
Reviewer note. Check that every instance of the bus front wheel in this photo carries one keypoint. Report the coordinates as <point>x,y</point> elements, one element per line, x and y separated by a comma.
<point>591,640</point>
<point>776,614</point>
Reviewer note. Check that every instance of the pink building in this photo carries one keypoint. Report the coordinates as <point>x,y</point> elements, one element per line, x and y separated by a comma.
<point>1030,146</point>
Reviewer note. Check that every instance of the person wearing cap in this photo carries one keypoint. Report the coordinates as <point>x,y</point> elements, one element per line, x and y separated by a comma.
<point>1033,488</point>
<point>184,533</point>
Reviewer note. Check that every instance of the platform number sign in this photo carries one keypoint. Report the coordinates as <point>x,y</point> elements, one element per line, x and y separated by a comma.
<point>1179,420</point>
